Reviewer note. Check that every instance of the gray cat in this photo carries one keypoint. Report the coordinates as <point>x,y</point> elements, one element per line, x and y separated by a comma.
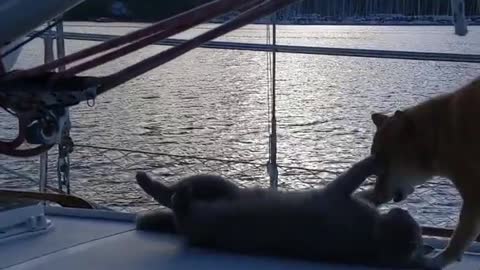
<point>326,225</point>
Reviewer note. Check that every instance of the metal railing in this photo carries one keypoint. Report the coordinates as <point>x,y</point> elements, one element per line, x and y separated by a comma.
<point>369,53</point>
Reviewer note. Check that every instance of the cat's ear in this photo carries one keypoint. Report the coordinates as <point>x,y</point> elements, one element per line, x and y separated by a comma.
<point>379,119</point>
<point>406,121</point>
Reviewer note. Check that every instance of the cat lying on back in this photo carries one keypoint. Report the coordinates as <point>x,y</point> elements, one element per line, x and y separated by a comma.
<point>326,225</point>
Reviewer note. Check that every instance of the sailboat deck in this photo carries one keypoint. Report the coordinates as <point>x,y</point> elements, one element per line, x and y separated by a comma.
<point>78,242</point>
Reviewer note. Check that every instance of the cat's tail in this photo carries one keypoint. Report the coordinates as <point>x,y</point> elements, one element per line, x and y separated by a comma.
<point>160,192</point>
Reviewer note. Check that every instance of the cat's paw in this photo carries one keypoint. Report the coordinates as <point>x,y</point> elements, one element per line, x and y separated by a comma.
<point>143,180</point>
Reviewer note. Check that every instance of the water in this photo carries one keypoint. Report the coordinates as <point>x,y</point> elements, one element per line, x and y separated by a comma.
<point>213,103</point>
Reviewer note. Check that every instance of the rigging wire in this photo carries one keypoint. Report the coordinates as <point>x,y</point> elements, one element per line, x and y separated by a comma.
<point>272,166</point>
<point>268,62</point>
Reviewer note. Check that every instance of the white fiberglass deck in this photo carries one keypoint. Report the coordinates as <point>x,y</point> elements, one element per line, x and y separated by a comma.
<point>89,243</point>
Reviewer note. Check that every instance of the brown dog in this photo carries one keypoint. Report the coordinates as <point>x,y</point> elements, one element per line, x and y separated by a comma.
<point>439,137</point>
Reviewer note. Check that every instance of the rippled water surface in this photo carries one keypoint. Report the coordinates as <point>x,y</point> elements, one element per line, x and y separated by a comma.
<point>213,103</point>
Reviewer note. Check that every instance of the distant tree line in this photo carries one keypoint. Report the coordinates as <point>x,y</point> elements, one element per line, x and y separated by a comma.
<point>148,10</point>
<point>347,8</point>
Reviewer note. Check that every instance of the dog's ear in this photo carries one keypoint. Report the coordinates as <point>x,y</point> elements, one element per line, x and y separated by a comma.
<point>378,119</point>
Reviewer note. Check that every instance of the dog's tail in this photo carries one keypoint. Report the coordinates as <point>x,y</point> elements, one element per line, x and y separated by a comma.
<point>160,192</point>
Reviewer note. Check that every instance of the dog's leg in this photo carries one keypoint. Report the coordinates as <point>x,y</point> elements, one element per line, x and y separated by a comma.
<point>467,230</point>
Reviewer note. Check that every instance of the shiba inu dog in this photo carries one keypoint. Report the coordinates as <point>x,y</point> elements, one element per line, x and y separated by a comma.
<point>439,137</point>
